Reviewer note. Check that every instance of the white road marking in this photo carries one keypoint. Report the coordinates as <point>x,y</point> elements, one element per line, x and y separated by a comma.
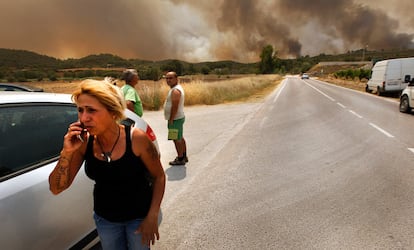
<point>381,130</point>
<point>327,96</point>
<point>355,113</point>
<point>341,105</point>
<point>280,91</point>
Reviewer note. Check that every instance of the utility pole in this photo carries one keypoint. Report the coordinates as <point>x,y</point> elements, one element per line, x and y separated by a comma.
<point>363,52</point>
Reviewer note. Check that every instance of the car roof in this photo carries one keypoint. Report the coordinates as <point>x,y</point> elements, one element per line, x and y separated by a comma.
<point>22,87</point>
<point>33,97</point>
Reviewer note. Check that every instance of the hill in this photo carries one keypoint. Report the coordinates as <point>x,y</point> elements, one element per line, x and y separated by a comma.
<point>326,68</point>
<point>21,65</point>
<point>21,59</point>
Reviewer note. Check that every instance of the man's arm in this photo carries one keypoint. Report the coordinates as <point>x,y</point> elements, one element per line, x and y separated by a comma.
<point>175,100</point>
<point>130,105</point>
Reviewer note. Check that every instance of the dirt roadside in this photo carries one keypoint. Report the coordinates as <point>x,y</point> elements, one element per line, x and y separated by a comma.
<point>357,85</point>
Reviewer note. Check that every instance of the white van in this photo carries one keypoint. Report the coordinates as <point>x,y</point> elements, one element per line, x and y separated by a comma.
<point>391,75</point>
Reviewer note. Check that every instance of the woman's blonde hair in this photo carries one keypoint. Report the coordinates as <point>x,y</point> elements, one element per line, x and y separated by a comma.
<point>106,93</point>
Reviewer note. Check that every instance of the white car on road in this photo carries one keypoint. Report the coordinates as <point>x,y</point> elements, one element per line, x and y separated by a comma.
<point>407,98</point>
<point>32,126</point>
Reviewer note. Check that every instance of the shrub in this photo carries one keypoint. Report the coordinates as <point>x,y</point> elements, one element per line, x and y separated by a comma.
<point>353,73</point>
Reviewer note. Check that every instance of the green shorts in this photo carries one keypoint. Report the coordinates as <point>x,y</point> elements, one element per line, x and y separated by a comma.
<point>175,130</point>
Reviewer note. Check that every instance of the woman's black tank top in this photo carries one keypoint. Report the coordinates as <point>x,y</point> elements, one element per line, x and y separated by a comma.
<point>122,188</point>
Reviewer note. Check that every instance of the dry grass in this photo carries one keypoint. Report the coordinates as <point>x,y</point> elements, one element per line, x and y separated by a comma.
<point>199,90</point>
<point>351,84</point>
<point>56,87</point>
<point>241,89</point>
<point>205,90</point>
<point>208,90</point>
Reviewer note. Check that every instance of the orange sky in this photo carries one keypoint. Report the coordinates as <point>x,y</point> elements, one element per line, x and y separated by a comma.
<point>204,30</point>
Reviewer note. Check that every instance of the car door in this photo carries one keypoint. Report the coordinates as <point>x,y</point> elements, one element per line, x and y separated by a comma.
<point>31,216</point>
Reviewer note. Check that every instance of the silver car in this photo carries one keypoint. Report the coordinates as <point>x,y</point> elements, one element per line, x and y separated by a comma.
<point>32,126</point>
<point>305,76</point>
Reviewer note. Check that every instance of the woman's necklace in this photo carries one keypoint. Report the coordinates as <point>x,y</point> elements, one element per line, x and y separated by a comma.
<point>107,155</point>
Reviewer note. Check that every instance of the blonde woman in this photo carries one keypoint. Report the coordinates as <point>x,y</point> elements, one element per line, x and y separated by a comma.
<point>123,162</point>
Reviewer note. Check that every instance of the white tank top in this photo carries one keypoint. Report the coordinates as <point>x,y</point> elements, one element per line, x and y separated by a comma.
<point>168,104</point>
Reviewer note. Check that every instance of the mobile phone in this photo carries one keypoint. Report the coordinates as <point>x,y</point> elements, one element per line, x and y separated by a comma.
<point>82,134</point>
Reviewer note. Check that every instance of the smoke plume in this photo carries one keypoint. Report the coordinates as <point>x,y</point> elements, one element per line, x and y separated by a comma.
<point>204,30</point>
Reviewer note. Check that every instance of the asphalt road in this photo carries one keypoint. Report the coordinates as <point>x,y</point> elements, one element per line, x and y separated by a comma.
<point>313,166</point>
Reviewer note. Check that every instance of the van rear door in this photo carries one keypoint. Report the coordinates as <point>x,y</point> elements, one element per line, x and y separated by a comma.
<point>407,69</point>
<point>378,76</point>
<point>393,78</point>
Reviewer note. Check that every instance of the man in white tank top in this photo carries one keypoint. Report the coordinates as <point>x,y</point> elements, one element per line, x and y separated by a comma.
<point>174,114</point>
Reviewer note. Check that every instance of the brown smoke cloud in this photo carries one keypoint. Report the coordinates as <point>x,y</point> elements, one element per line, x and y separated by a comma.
<point>204,30</point>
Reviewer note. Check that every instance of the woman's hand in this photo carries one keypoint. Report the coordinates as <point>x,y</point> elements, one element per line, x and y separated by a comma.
<point>74,138</point>
<point>149,230</point>
<point>69,161</point>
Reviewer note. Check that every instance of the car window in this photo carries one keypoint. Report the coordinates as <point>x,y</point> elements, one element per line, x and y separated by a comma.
<point>32,134</point>
<point>9,88</point>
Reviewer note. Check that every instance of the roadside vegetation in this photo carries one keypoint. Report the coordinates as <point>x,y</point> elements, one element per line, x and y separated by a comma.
<point>351,74</point>
<point>233,90</point>
<point>351,78</point>
<point>198,90</point>
<point>26,66</point>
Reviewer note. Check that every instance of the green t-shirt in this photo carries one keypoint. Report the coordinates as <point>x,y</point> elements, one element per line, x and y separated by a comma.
<point>130,94</point>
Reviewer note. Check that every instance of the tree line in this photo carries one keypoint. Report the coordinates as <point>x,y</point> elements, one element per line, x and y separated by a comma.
<point>21,65</point>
